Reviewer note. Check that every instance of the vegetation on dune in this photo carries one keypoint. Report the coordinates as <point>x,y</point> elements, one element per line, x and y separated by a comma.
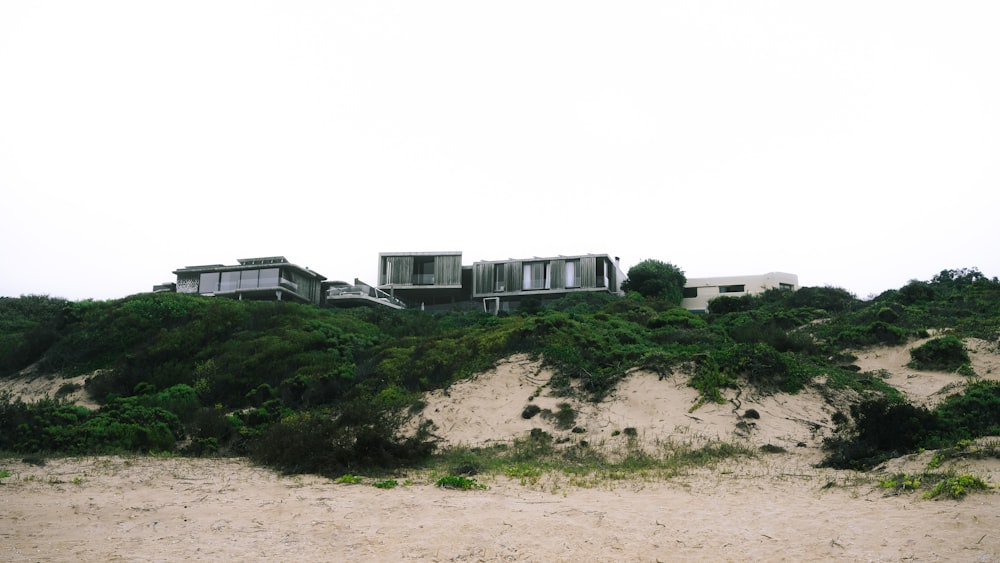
<point>326,391</point>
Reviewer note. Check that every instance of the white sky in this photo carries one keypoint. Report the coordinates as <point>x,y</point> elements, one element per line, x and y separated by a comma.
<point>856,144</point>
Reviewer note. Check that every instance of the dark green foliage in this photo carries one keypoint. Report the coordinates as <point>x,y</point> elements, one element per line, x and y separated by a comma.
<point>332,442</point>
<point>882,429</point>
<point>565,416</point>
<point>216,375</point>
<point>878,332</point>
<point>29,325</point>
<point>946,353</point>
<point>120,425</point>
<point>656,279</point>
<point>530,411</point>
<point>973,413</point>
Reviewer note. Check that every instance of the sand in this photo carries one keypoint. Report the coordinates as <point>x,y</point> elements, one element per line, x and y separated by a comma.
<point>774,507</point>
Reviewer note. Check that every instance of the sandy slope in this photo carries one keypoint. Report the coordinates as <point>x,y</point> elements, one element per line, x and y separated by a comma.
<point>776,507</point>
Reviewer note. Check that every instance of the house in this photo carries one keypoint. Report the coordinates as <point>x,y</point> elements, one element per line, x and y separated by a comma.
<point>271,278</point>
<point>424,279</point>
<point>503,285</point>
<point>439,281</point>
<point>699,291</point>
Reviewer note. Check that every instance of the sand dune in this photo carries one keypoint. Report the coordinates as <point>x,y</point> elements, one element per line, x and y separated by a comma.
<point>775,507</point>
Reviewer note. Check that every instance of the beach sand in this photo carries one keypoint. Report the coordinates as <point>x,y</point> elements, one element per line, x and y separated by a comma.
<point>773,507</point>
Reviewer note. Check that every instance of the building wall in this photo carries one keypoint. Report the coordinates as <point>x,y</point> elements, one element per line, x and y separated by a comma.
<point>592,272</point>
<point>187,283</point>
<point>710,288</point>
<point>399,269</point>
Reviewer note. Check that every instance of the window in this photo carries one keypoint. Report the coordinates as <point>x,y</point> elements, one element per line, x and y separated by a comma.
<point>690,292</point>
<point>423,270</point>
<point>269,277</point>
<point>572,268</point>
<point>499,277</point>
<point>248,279</point>
<point>209,283</point>
<point>785,286</point>
<point>230,281</point>
<point>536,275</point>
<point>740,288</point>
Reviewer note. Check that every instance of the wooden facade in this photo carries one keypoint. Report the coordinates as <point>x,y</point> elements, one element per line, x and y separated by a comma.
<point>535,276</point>
<point>420,269</point>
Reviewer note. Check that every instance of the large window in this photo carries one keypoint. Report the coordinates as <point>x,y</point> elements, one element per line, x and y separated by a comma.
<point>536,275</point>
<point>500,277</point>
<point>230,281</point>
<point>572,273</point>
<point>732,288</point>
<point>209,283</point>
<point>423,270</point>
<point>269,277</point>
<point>248,279</point>
<point>690,292</point>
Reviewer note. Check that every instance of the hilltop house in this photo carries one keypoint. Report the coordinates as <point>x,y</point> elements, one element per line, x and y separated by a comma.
<point>271,278</point>
<point>699,291</point>
<point>503,284</point>
<point>424,279</point>
<point>439,281</point>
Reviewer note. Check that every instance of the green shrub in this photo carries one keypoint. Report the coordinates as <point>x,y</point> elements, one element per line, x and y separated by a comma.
<point>530,411</point>
<point>878,332</point>
<point>946,353</point>
<point>971,414</point>
<point>881,429</point>
<point>458,482</point>
<point>957,487</point>
<point>654,278</point>
<point>329,442</point>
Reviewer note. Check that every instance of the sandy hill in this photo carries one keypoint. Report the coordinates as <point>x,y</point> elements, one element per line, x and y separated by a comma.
<point>774,507</point>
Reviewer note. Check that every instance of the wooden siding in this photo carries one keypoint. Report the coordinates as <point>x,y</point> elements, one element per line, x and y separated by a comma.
<point>399,270</point>
<point>448,270</point>
<point>482,278</point>
<point>588,271</point>
<point>557,274</point>
<point>515,277</point>
<point>586,274</point>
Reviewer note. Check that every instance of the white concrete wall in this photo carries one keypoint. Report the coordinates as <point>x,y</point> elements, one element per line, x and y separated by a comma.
<point>709,288</point>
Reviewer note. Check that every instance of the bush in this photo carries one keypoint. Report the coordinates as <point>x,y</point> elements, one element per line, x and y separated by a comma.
<point>882,429</point>
<point>972,413</point>
<point>946,353</point>
<point>878,332</point>
<point>357,436</point>
<point>957,487</point>
<point>656,279</point>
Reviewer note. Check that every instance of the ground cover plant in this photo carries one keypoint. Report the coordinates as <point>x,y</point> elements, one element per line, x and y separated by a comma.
<point>302,388</point>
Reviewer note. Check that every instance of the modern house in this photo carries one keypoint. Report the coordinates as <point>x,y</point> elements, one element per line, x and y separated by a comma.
<point>699,291</point>
<point>271,278</point>
<point>438,281</point>
<point>424,279</point>
<point>502,285</point>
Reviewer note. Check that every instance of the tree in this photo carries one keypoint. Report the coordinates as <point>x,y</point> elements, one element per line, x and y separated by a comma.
<point>653,278</point>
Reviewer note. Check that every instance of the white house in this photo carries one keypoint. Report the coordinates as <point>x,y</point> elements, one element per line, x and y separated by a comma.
<point>699,291</point>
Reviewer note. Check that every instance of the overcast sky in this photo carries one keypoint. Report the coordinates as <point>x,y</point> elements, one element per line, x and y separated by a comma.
<point>856,144</point>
